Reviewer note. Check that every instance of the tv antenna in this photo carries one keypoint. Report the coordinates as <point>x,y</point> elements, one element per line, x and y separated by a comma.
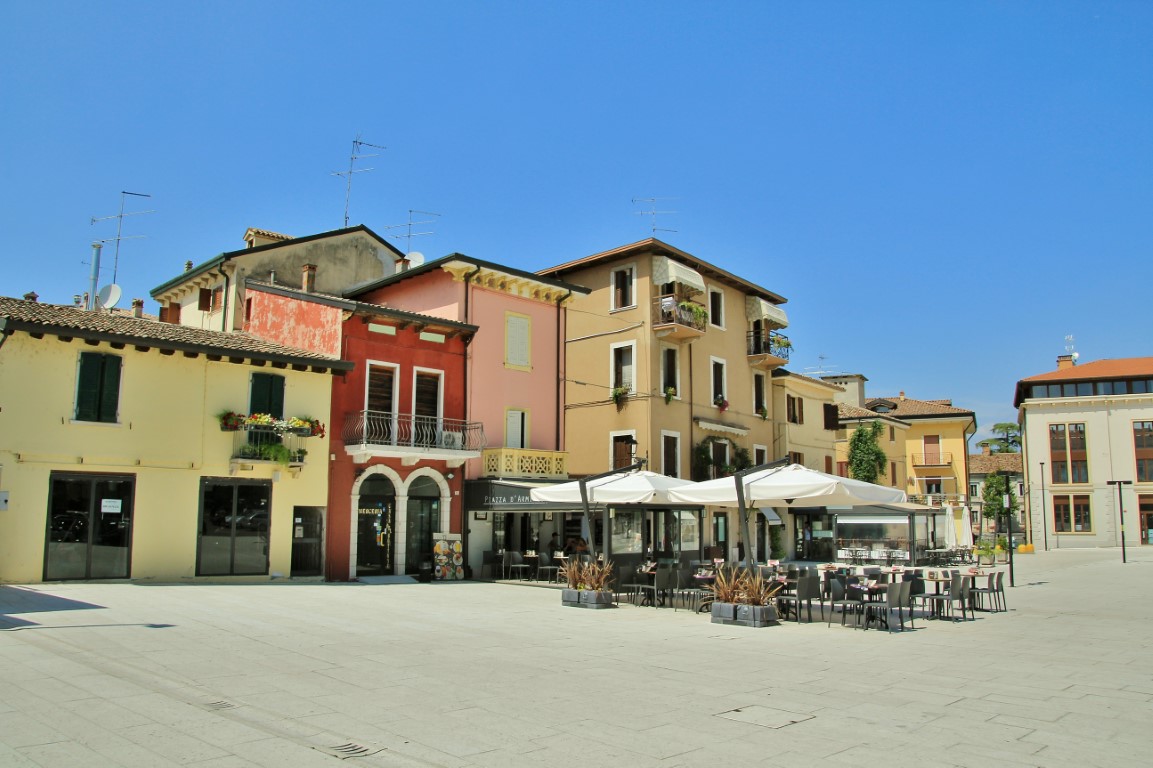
<point>119,226</point>
<point>352,158</point>
<point>409,234</point>
<point>653,212</point>
<point>1070,347</point>
<point>820,369</point>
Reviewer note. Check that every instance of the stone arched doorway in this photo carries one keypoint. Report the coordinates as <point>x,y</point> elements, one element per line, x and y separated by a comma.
<point>375,533</point>
<point>422,519</point>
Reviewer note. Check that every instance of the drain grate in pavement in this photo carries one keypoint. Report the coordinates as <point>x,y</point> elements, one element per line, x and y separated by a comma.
<point>766,717</point>
<point>345,751</point>
<point>220,705</point>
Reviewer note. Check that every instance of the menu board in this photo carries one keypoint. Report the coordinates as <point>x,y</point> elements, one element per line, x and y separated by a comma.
<point>447,557</point>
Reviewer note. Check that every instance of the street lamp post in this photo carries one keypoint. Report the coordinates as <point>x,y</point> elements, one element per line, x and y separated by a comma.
<point>1121,511</point>
<point>1009,524</point>
<point>1044,514</point>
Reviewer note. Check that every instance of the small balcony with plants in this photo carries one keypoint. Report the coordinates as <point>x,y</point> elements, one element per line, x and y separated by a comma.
<point>768,349</point>
<point>411,437</point>
<point>261,437</point>
<point>677,319</point>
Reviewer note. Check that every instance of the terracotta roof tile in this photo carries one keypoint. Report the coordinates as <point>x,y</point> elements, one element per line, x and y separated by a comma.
<point>53,318</point>
<point>909,408</point>
<point>1124,367</point>
<point>846,412</point>
<point>980,464</point>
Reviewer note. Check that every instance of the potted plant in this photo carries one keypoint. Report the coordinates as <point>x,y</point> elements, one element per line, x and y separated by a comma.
<point>588,585</point>
<point>231,421</point>
<point>763,412</point>
<point>720,402</point>
<point>744,599</point>
<point>985,554</point>
<point>1001,552</point>
<point>696,311</point>
<point>670,393</point>
<point>618,395</point>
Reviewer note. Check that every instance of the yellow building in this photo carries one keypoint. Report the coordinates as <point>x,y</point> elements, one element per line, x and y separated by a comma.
<point>114,462</point>
<point>669,358</point>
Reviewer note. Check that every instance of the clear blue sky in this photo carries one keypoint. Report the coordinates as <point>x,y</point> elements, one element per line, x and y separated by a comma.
<point>943,191</point>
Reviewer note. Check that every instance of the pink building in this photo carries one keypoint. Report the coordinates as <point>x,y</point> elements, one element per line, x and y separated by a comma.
<point>514,387</point>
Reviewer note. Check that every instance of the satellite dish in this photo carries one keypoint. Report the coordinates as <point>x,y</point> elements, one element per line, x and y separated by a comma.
<point>108,296</point>
<point>415,259</point>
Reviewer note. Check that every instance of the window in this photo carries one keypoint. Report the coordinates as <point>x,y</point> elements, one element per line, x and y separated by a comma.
<point>515,428</point>
<point>832,416</point>
<point>98,387</point>
<point>381,388</point>
<point>893,473</point>
<point>828,465</point>
<point>1071,514</point>
<point>842,469</point>
<point>517,341</point>
<point>760,455</point>
<point>718,380</point>
<point>796,457</point>
<point>720,452</point>
<point>267,395</point>
<point>759,405</point>
<point>670,371</point>
<point>716,308</point>
<point>934,486</point>
<point>892,434</point>
<point>1143,449</point>
<point>973,490</point>
<point>623,369</point>
<point>794,409</point>
<point>1067,450</point>
<point>210,299</point>
<point>670,454</point>
<point>622,285</point>
<point>235,519</point>
<point>623,445</point>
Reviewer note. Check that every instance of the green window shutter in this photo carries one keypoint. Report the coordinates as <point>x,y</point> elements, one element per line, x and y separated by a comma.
<point>267,395</point>
<point>98,387</point>
<point>88,387</point>
<point>110,389</point>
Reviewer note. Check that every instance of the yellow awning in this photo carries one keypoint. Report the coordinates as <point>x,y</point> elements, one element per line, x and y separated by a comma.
<point>759,309</point>
<point>665,270</point>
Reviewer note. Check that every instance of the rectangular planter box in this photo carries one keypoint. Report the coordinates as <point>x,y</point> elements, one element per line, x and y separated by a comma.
<point>586,598</point>
<point>744,615</point>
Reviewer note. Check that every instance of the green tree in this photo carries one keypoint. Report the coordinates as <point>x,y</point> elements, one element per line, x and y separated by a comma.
<point>866,459</point>
<point>1008,438</point>
<point>992,496</point>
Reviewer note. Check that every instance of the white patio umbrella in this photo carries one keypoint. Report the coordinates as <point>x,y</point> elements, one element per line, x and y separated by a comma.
<point>627,486</point>
<point>642,487</point>
<point>950,529</point>
<point>791,485</point>
<point>966,538</point>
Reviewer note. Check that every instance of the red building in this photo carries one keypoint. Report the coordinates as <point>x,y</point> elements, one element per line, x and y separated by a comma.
<point>399,432</point>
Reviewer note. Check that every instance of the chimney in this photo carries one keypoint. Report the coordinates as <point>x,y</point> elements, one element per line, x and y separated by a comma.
<point>138,307</point>
<point>188,266</point>
<point>1065,361</point>
<point>986,450</point>
<point>308,278</point>
<point>32,296</point>
<point>902,396</point>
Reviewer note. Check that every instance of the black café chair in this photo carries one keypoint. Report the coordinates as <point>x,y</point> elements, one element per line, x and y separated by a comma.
<point>838,598</point>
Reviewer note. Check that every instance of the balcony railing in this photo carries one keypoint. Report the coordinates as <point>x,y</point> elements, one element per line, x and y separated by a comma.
<point>524,462</point>
<point>262,443</point>
<point>406,430</point>
<point>769,343</point>
<point>678,319</point>
<point>938,459</point>
<point>938,499</point>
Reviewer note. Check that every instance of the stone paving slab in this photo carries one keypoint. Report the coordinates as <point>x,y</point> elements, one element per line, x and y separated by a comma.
<point>469,674</point>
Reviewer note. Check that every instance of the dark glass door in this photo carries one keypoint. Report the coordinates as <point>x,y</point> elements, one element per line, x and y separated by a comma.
<point>422,521</point>
<point>235,519</point>
<point>375,524</point>
<point>89,526</point>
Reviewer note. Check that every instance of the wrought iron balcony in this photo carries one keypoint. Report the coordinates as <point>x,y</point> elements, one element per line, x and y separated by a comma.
<point>938,459</point>
<point>411,437</point>
<point>768,349</point>
<point>524,462</point>
<point>257,442</point>
<point>673,319</point>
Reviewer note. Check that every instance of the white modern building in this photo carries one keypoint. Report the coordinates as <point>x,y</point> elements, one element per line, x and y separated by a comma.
<point>1087,444</point>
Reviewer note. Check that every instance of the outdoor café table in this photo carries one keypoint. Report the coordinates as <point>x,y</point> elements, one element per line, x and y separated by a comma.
<point>933,577</point>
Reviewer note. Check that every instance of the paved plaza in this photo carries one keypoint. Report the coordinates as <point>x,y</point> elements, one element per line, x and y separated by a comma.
<point>474,674</point>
